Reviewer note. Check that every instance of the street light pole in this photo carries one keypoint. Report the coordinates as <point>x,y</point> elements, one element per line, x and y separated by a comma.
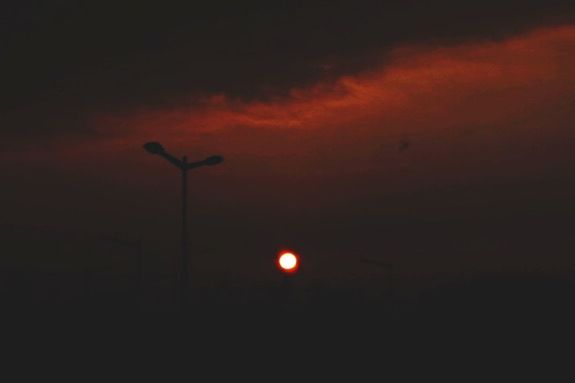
<point>390,283</point>
<point>184,166</point>
<point>184,267</point>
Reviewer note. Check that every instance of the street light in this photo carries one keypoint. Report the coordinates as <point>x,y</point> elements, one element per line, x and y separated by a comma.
<point>389,267</point>
<point>157,149</point>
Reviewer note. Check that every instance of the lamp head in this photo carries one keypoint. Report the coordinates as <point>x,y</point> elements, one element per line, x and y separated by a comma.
<point>213,160</point>
<point>154,147</point>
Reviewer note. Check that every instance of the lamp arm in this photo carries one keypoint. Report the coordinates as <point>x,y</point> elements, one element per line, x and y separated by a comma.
<point>193,165</point>
<point>173,160</point>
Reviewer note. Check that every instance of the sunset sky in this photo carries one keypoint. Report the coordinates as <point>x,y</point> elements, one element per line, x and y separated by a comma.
<point>436,135</point>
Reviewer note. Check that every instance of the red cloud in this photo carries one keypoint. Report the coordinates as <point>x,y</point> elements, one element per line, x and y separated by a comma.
<point>427,116</point>
<point>478,100</point>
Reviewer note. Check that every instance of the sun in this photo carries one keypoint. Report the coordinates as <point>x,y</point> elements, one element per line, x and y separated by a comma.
<point>288,261</point>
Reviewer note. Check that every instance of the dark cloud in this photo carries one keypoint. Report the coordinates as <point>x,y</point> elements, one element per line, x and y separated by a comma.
<point>65,60</point>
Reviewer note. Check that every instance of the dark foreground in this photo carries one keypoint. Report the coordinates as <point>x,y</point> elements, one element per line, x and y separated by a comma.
<point>491,314</point>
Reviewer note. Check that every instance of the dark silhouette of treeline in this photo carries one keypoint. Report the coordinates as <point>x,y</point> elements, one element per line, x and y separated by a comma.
<point>487,297</point>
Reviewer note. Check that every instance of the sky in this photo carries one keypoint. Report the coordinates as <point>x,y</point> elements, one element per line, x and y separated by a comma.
<point>435,135</point>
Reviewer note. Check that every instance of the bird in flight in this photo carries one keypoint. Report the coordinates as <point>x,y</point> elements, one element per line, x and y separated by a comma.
<point>404,145</point>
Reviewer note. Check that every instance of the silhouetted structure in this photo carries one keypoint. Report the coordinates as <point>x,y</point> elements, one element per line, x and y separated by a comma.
<point>184,166</point>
